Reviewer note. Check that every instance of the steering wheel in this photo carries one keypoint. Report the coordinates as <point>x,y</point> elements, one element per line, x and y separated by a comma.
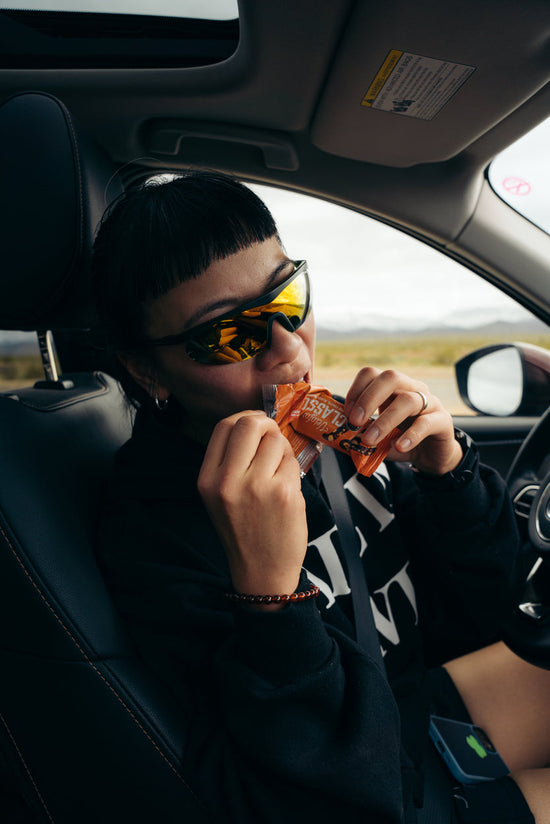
<point>527,632</point>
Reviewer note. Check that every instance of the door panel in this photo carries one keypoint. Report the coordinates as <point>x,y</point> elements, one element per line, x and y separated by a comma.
<point>498,439</point>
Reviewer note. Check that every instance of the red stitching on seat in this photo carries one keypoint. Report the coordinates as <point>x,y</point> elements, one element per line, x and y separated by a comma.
<point>20,754</point>
<point>96,670</point>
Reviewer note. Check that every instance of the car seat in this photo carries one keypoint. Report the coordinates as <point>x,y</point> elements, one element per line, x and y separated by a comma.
<point>86,734</point>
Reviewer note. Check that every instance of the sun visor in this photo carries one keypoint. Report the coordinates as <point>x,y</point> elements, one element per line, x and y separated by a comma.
<point>419,82</point>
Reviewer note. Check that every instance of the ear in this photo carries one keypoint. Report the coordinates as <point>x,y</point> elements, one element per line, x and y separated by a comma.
<point>143,372</point>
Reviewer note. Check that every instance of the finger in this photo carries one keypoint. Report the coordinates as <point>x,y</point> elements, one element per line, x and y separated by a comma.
<point>378,393</point>
<point>219,440</point>
<point>381,394</point>
<point>423,399</point>
<point>421,427</point>
<point>246,439</point>
<point>289,468</point>
<point>273,450</point>
<point>362,380</point>
<point>397,414</point>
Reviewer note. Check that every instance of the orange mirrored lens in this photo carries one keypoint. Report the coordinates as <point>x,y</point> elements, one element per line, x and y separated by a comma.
<point>237,338</point>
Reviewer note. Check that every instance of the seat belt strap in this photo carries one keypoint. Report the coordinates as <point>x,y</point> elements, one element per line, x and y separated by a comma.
<point>437,795</point>
<point>365,630</point>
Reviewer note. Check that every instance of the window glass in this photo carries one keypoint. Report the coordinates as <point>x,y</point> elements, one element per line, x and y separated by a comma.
<point>20,362</point>
<point>383,298</point>
<point>70,34</point>
<point>205,9</point>
<point>520,175</point>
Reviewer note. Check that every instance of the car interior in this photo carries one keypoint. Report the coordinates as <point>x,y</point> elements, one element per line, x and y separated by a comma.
<point>287,94</point>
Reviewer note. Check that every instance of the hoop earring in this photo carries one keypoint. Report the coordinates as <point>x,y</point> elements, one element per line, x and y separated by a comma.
<point>161,405</point>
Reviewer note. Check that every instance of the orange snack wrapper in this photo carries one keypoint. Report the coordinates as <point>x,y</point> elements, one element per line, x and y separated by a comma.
<point>307,413</point>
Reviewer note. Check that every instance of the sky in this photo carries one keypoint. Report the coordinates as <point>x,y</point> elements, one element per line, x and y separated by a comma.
<point>364,271</point>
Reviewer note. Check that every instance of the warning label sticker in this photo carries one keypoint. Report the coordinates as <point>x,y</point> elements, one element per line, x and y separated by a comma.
<point>415,86</point>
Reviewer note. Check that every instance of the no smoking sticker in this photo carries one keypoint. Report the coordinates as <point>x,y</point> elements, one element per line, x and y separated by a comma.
<point>516,186</point>
<point>415,86</point>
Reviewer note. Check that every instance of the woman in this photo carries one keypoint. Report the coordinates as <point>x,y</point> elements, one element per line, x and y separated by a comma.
<point>287,715</point>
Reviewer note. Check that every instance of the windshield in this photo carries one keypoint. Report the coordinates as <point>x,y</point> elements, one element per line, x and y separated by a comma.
<point>520,175</point>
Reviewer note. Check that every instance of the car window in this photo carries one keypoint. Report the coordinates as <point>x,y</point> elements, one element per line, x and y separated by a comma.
<point>20,361</point>
<point>206,9</point>
<point>101,33</point>
<point>385,299</point>
<point>520,175</point>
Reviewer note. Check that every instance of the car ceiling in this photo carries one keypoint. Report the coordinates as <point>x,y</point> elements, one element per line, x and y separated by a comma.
<point>286,109</point>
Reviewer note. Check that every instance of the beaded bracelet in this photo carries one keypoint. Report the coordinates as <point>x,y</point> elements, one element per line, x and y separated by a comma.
<point>312,592</point>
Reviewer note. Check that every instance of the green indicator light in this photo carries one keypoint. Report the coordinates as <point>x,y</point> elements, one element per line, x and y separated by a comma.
<point>476,746</point>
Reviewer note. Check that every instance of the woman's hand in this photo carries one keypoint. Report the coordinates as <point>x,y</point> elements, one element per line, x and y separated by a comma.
<point>427,438</point>
<point>250,484</point>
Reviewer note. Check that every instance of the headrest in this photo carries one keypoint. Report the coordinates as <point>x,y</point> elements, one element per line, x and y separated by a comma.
<point>55,185</point>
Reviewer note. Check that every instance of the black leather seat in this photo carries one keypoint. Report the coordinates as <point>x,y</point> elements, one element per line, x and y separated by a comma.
<point>86,735</point>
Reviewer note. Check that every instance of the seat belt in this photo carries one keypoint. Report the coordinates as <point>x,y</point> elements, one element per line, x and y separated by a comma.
<point>437,808</point>
<point>365,630</point>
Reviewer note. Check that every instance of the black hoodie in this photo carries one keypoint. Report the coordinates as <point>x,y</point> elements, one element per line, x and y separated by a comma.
<point>289,720</point>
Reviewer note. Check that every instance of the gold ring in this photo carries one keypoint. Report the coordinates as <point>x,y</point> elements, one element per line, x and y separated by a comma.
<point>424,400</point>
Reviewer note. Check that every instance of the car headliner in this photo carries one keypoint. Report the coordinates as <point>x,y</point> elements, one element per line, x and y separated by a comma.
<point>285,108</point>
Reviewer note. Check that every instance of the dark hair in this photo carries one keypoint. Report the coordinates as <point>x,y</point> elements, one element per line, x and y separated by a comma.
<point>161,233</point>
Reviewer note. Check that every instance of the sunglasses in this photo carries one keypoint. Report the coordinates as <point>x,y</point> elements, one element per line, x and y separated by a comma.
<point>245,331</point>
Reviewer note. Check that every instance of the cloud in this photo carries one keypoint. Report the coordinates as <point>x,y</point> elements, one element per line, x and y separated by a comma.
<point>360,267</point>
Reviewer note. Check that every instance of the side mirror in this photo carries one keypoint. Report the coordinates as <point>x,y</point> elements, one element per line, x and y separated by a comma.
<point>505,379</point>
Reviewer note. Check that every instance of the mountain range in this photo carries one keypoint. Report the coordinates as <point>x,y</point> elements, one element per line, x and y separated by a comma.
<point>484,322</point>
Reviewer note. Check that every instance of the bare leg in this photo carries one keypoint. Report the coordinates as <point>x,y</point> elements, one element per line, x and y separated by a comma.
<point>510,700</point>
<point>535,786</point>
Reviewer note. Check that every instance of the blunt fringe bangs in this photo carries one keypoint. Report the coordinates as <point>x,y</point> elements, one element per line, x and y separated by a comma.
<point>160,234</point>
